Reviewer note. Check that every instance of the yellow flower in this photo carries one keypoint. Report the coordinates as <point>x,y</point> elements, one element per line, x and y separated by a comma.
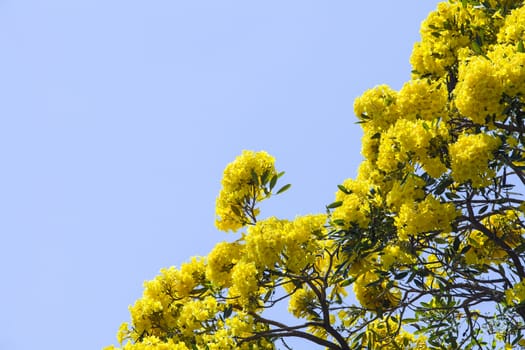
<point>302,302</point>
<point>377,108</point>
<point>387,334</point>
<point>373,294</point>
<point>394,255</point>
<point>426,216</point>
<point>245,182</point>
<point>513,29</point>
<point>470,156</point>
<point>221,260</point>
<point>422,99</point>
<point>445,33</point>
<point>123,332</point>
<point>245,285</point>
<point>265,241</point>
<point>355,203</point>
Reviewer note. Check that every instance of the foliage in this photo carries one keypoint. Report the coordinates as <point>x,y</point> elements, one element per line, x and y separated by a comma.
<point>429,237</point>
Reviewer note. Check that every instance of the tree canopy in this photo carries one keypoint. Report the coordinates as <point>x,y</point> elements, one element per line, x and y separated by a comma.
<point>424,249</point>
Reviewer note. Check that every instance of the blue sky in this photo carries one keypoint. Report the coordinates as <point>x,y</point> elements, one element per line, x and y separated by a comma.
<point>118,117</point>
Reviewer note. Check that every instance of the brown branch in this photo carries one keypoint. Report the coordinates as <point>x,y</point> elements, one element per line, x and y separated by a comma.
<point>517,171</point>
<point>509,127</point>
<point>501,243</point>
<point>289,331</point>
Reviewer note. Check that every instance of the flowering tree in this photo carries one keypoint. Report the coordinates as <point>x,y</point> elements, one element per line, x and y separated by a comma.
<point>429,237</point>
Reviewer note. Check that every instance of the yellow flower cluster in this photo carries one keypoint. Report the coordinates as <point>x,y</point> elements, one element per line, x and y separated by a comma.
<point>396,255</point>
<point>194,313</point>
<point>483,80</point>
<point>301,302</point>
<point>292,245</point>
<point>513,29</point>
<point>479,90</point>
<point>403,130</point>
<point>266,240</point>
<point>241,326</point>
<point>243,184</point>
<point>355,203</point>
<point>407,143</point>
<point>152,343</point>
<point>163,298</point>
<point>422,99</point>
<point>429,215</point>
<point>177,310</point>
<point>221,260</point>
<point>404,192</point>
<point>245,285</point>
<point>516,294</point>
<point>396,129</point>
<point>374,294</point>
<point>512,68</point>
<point>447,32</point>
<point>470,156</point>
<point>377,107</point>
<point>387,334</point>
<point>483,250</point>
<point>436,268</point>
<point>303,241</point>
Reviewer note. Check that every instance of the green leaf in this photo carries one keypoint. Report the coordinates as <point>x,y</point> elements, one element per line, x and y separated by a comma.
<point>228,312</point>
<point>264,177</point>
<point>297,283</point>
<point>339,222</point>
<point>344,189</point>
<point>451,195</point>
<point>483,209</point>
<point>401,275</point>
<point>359,336</point>
<point>456,243</point>
<point>465,249</point>
<point>476,47</point>
<point>420,284</point>
<point>268,295</point>
<point>347,282</point>
<point>412,276</point>
<point>442,185</point>
<point>284,188</point>
<point>334,205</point>
<point>273,181</point>
<point>236,210</point>
<point>255,178</point>
<point>409,320</point>
<point>375,283</point>
<point>520,249</point>
<point>439,240</point>
<point>521,48</point>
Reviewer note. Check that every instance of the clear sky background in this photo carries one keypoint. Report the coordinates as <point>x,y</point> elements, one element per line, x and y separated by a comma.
<point>117,118</point>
